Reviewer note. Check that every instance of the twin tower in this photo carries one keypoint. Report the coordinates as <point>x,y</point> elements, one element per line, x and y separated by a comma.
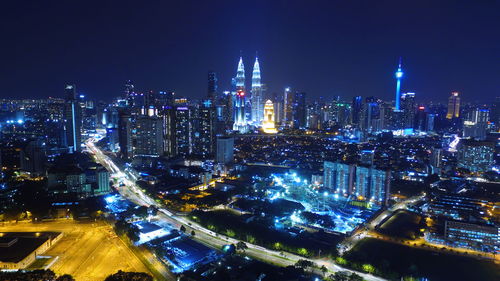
<point>248,110</point>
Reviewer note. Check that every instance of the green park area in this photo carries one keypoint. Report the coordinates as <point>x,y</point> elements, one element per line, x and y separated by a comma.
<point>394,260</point>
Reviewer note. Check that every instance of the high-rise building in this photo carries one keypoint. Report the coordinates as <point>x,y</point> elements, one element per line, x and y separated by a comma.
<point>257,95</point>
<point>288,107</point>
<point>453,106</point>
<point>268,124</point>
<point>338,177</point>
<point>371,115</point>
<point>203,130</point>
<point>399,76</point>
<point>299,110</point>
<point>212,86</point>
<point>476,124</point>
<point>357,107</point>
<point>421,123</point>
<point>495,112</point>
<point>183,130</point>
<point>408,108</point>
<point>72,119</point>
<point>149,136</point>
<point>435,160</point>
<point>33,157</point>
<point>225,150</point>
<point>366,183</point>
<point>125,135</point>
<point>167,115</point>
<point>372,184</point>
<point>476,156</point>
<point>240,99</point>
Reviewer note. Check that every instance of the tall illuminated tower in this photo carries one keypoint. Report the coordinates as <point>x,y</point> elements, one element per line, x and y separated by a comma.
<point>257,104</point>
<point>239,98</point>
<point>240,76</point>
<point>399,75</point>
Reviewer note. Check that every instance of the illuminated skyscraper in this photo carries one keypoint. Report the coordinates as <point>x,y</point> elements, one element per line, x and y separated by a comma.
<point>149,136</point>
<point>125,135</point>
<point>399,75</point>
<point>299,110</point>
<point>476,123</point>
<point>408,108</point>
<point>288,107</point>
<point>338,177</point>
<point>453,106</point>
<point>257,99</point>
<point>357,107</point>
<point>73,119</point>
<point>183,130</point>
<point>240,76</point>
<point>268,122</point>
<point>239,99</point>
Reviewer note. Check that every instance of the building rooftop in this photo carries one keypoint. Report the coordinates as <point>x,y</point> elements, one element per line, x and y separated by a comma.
<point>15,246</point>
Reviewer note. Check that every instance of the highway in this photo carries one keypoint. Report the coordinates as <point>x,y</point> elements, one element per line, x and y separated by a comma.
<point>133,193</point>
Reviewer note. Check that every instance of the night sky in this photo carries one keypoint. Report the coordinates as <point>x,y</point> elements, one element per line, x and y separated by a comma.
<point>324,48</point>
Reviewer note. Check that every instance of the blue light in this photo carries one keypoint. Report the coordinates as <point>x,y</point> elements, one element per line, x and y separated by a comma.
<point>110,199</point>
<point>399,73</point>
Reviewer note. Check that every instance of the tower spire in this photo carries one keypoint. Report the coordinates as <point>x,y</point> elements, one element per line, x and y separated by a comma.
<point>399,75</point>
<point>240,74</point>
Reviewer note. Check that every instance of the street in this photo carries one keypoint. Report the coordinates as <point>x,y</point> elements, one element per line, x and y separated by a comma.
<point>132,192</point>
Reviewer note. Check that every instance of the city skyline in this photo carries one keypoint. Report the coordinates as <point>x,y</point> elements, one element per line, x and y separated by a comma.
<point>331,52</point>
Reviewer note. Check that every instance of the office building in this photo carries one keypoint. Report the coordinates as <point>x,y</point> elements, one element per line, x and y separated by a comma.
<point>485,238</point>
<point>476,124</point>
<point>225,150</point>
<point>183,130</point>
<point>212,87</point>
<point>33,156</point>
<point>72,120</point>
<point>356,111</point>
<point>408,108</point>
<point>149,136</point>
<point>288,107</point>
<point>476,156</point>
<point>125,135</point>
<point>453,106</point>
<point>203,130</point>
<point>299,110</point>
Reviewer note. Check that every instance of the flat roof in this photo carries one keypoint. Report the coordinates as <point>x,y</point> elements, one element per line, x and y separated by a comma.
<point>147,227</point>
<point>26,243</point>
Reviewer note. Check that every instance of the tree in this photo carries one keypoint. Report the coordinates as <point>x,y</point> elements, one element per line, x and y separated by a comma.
<point>304,264</point>
<point>128,276</point>
<point>183,228</point>
<point>65,277</point>
<point>324,269</point>
<point>241,246</point>
<point>355,277</point>
<point>192,233</point>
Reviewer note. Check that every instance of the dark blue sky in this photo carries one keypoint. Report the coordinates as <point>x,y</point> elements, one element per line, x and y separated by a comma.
<point>324,48</point>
